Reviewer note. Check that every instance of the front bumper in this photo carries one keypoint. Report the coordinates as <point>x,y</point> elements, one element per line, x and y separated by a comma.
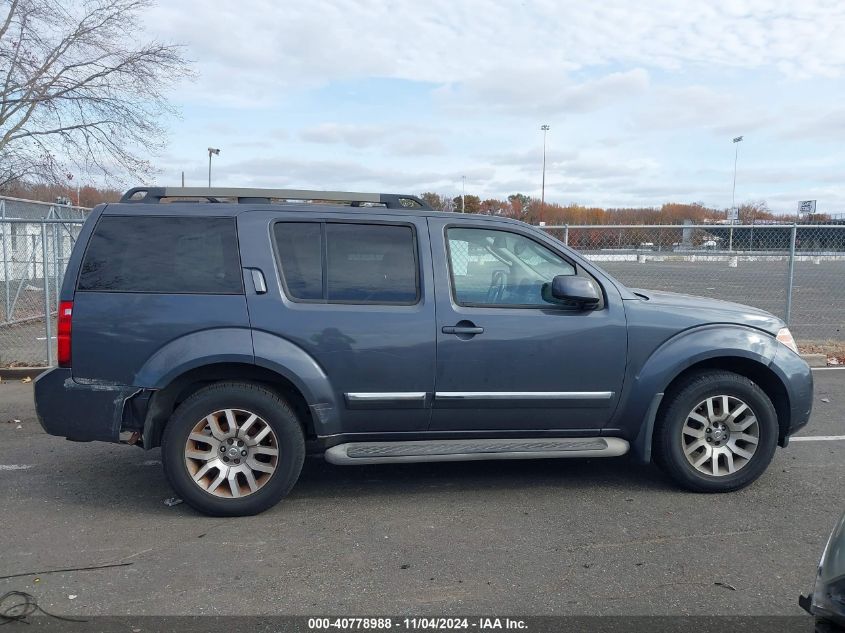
<point>798,380</point>
<point>80,411</point>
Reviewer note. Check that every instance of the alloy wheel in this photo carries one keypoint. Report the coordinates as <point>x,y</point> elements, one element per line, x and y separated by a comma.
<point>720,435</point>
<point>231,453</point>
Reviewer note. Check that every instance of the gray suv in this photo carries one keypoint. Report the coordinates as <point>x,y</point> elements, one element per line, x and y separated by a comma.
<point>240,329</point>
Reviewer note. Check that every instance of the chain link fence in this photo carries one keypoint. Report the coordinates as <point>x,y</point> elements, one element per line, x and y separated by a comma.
<point>796,272</point>
<point>36,240</point>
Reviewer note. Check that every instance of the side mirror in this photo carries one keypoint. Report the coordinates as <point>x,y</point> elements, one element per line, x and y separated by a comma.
<point>573,289</point>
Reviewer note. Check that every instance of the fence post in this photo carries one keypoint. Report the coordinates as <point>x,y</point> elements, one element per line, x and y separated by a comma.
<point>566,234</point>
<point>53,230</point>
<point>7,229</point>
<point>48,326</point>
<point>791,273</point>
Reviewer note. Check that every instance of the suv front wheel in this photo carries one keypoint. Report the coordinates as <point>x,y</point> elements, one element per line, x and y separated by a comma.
<point>717,432</point>
<point>233,449</point>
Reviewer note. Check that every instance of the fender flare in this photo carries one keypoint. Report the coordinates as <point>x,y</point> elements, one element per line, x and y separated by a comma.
<point>236,345</point>
<point>180,355</point>
<point>679,353</point>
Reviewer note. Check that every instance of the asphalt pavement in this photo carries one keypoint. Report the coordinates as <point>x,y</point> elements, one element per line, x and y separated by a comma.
<point>601,536</point>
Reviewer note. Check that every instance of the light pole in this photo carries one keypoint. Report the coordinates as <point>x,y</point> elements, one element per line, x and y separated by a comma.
<point>736,141</point>
<point>463,194</point>
<point>216,152</point>
<point>734,213</point>
<point>545,129</point>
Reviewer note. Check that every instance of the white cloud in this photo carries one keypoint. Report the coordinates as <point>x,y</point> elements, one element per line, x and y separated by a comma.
<point>542,91</point>
<point>350,134</point>
<point>256,44</point>
<point>643,98</point>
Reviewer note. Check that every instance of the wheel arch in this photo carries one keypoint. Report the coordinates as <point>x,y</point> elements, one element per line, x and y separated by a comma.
<point>740,349</point>
<point>757,372</point>
<point>165,400</point>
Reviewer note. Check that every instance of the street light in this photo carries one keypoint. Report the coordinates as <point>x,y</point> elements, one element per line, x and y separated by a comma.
<point>734,213</point>
<point>545,129</point>
<point>736,141</point>
<point>216,152</point>
<point>463,194</point>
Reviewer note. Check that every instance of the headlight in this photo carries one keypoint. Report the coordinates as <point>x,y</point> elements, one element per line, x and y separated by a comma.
<point>828,599</point>
<point>785,337</point>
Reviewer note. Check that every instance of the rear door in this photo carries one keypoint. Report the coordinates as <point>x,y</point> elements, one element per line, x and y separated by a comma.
<point>355,293</point>
<point>507,359</point>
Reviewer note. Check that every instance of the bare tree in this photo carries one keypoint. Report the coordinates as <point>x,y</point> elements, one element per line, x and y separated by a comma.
<point>78,89</point>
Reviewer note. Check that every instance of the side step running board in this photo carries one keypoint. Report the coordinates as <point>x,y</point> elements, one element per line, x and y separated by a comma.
<point>469,450</point>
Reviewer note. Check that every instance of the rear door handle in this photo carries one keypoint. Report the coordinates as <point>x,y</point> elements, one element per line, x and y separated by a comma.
<point>462,329</point>
<point>258,281</point>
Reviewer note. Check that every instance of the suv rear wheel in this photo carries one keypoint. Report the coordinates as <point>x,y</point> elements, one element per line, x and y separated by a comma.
<point>233,449</point>
<point>717,432</point>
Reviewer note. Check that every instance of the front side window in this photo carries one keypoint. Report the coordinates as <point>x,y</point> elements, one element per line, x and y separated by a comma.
<point>335,262</point>
<point>148,254</point>
<point>499,268</point>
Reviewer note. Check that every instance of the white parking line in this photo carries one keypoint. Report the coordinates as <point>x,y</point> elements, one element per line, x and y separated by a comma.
<point>15,466</point>
<point>817,438</point>
<point>827,368</point>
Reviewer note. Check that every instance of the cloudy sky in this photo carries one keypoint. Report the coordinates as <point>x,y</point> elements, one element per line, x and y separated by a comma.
<point>643,99</point>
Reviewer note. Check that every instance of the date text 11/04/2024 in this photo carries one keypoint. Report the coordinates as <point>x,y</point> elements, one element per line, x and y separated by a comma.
<point>414,624</point>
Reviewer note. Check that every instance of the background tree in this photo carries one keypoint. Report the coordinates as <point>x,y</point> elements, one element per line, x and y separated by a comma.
<point>79,90</point>
<point>755,211</point>
<point>434,200</point>
<point>473,204</point>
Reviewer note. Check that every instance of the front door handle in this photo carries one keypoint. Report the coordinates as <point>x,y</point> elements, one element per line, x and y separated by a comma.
<point>462,329</point>
<point>457,329</point>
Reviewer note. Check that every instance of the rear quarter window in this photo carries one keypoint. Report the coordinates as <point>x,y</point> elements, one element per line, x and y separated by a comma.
<point>185,255</point>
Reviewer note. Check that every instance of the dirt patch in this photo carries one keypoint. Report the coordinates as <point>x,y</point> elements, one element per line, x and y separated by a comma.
<point>834,350</point>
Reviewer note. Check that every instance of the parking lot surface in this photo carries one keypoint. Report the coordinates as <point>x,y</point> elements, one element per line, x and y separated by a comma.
<point>547,537</point>
<point>818,298</point>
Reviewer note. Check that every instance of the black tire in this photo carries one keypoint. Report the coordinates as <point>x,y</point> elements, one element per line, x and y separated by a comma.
<point>277,414</point>
<point>668,444</point>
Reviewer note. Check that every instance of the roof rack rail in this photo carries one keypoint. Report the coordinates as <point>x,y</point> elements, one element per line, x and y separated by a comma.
<point>251,196</point>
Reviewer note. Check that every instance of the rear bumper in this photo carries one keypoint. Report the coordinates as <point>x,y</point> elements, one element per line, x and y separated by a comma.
<point>798,380</point>
<point>80,411</point>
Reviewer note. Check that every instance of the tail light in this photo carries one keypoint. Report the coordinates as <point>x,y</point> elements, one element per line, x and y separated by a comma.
<point>63,332</point>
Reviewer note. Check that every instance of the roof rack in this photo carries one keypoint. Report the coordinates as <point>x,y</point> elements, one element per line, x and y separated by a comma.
<point>266,196</point>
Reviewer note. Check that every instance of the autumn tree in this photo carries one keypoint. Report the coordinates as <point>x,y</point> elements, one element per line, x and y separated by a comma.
<point>434,200</point>
<point>87,196</point>
<point>492,206</point>
<point>755,211</point>
<point>473,203</point>
<point>79,88</point>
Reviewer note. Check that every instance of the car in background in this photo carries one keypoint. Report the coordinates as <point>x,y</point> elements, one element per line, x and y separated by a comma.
<point>827,601</point>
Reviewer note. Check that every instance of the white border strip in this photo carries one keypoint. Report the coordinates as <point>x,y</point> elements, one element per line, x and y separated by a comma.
<point>817,438</point>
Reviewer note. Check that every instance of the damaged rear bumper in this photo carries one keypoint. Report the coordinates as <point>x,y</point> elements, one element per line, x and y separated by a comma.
<point>87,411</point>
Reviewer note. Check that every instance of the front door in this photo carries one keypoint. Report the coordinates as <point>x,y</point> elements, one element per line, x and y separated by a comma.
<point>508,359</point>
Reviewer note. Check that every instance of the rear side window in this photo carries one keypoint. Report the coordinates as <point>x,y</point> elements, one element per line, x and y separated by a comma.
<point>333,262</point>
<point>187,255</point>
<point>300,250</point>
